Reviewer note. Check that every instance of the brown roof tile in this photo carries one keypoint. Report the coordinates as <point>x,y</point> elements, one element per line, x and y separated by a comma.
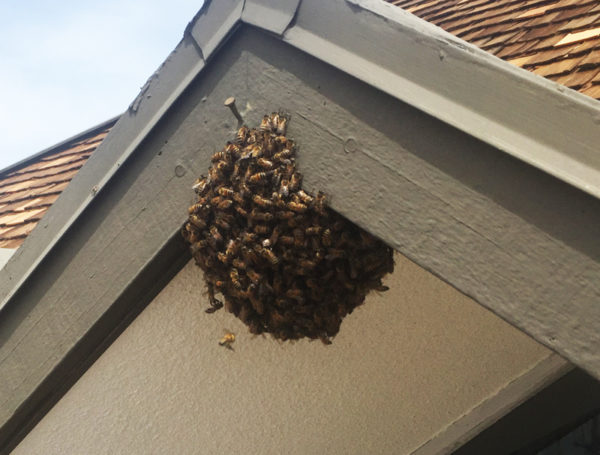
<point>29,189</point>
<point>553,38</point>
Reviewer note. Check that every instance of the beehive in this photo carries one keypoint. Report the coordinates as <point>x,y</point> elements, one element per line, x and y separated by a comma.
<point>282,260</point>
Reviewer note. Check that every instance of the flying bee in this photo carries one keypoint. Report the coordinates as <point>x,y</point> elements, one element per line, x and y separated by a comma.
<point>261,201</point>
<point>297,207</point>
<point>265,164</point>
<point>197,221</point>
<point>234,276</point>
<point>259,178</point>
<point>224,204</point>
<point>227,340</point>
<point>295,181</point>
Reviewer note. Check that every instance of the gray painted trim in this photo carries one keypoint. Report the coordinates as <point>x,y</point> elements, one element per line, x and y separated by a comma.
<point>540,376</point>
<point>538,121</point>
<point>272,15</point>
<point>214,22</point>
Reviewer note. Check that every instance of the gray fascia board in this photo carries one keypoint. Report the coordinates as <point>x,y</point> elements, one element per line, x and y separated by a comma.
<point>272,15</point>
<point>536,120</point>
<point>214,22</point>
<point>155,98</point>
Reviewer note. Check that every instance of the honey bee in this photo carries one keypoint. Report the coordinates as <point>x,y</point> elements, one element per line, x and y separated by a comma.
<point>227,340</point>
<point>295,181</point>
<point>261,201</point>
<point>313,230</point>
<point>286,215</point>
<point>222,223</point>
<point>197,246</point>
<point>216,235</point>
<point>261,229</point>
<point>238,264</point>
<point>214,303</point>
<point>326,237</point>
<point>259,178</point>
<point>320,203</point>
<point>281,125</point>
<point>265,124</point>
<point>297,207</point>
<point>225,204</point>
<point>234,276</point>
<point>197,221</point>
<point>334,253</point>
<point>307,264</point>
<point>233,150</point>
<point>241,211</point>
<point>285,154</point>
<point>269,256</point>
<point>254,277</point>
<point>284,188</point>
<point>242,134</point>
<point>265,164</point>
<point>260,216</point>
<point>305,198</point>
<point>298,237</point>
<point>222,155</point>
<point>222,166</point>
<point>200,186</point>
<point>232,248</point>
<point>274,236</point>
<point>226,192</point>
<point>286,240</point>
<point>249,237</point>
<point>295,294</point>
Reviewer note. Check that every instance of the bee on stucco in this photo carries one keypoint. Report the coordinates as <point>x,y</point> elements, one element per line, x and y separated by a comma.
<point>227,340</point>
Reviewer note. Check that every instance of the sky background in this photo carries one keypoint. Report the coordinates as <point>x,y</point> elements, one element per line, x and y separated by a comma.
<point>66,66</point>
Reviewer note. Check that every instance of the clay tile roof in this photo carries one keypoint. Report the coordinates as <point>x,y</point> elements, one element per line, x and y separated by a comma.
<point>556,39</point>
<point>29,188</point>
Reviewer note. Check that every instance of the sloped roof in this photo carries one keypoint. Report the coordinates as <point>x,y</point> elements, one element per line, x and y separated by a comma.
<point>28,189</point>
<point>557,39</point>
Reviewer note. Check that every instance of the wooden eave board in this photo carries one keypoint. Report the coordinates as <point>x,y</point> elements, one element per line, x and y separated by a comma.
<point>516,239</point>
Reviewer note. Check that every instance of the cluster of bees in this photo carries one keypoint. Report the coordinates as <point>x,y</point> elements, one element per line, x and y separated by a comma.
<point>283,262</point>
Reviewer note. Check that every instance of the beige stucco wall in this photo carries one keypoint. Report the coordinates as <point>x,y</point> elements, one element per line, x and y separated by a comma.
<point>403,367</point>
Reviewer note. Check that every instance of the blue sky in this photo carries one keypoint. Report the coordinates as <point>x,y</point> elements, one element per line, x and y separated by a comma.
<point>69,65</point>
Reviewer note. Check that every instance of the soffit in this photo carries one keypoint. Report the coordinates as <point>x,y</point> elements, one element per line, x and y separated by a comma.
<point>556,39</point>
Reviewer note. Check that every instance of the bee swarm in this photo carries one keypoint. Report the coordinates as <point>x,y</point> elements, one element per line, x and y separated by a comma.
<point>284,262</point>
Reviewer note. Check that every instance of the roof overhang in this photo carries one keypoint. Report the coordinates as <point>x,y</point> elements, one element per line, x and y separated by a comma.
<point>428,166</point>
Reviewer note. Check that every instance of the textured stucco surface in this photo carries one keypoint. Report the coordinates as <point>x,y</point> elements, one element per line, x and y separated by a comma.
<point>404,366</point>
